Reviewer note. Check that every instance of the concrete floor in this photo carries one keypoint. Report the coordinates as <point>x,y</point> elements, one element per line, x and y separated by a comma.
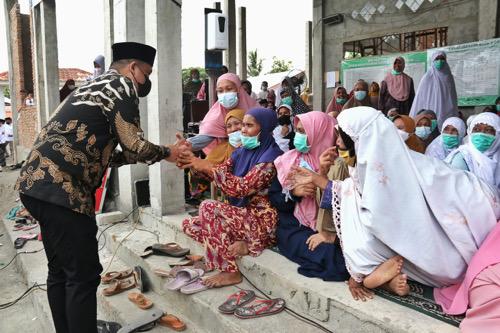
<point>21,316</point>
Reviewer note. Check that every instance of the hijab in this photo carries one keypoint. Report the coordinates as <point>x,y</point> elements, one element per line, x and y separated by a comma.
<point>413,142</point>
<point>100,61</point>
<point>398,85</point>
<point>320,131</point>
<point>353,102</point>
<point>437,92</point>
<point>213,124</point>
<point>484,165</point>
<point>298,105</point>
<point>434,134</point>
<point>437,149</point>
<point>223,150</point>
<point>333,105</point>
<point>65,90</point>
<point>244,159</point>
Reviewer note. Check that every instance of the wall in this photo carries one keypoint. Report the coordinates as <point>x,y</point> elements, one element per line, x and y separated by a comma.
<point>27,129</point>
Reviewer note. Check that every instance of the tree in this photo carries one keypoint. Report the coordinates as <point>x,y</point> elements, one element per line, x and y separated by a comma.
<point>186,73</point>
<point>279,65</point>
<point>254,64</point>
<point>6,92</point>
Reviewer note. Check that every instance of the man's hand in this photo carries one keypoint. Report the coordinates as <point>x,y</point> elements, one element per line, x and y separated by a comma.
<point>327,159</point>
<point>358,291</point>
<point>174,153</point>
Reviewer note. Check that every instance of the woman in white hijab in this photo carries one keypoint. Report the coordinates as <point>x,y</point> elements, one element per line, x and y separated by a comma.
<point>437,91</point>
<point>481,153</point>
<point>451,137</point>
<point>398,202</point>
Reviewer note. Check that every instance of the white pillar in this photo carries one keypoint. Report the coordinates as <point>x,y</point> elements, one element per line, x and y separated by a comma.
<point>318,85</point>
<point>46,59</point>
<point>128,26</point>
<point>163,31</point>
<point>109,30</point>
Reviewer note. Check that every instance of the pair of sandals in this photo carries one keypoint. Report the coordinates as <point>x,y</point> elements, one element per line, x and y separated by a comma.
<point>121,281</point>
<point>22,240</point>
<point>235,304</point>
<point>188,281</point>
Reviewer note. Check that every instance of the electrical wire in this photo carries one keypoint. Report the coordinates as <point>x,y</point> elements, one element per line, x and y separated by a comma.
<point>35,286</point>
<point>125,219</point>
<point>18,253</point>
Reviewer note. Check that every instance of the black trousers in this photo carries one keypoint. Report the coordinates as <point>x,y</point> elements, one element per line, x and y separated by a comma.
<point>70,244</point>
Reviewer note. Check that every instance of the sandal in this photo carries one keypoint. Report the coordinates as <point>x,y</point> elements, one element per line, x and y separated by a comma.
<point>236,300</point>
<point>110,276</point>
<point>194,287</point>
<point>141,279</point>
<point>172,322</point>
<point>184,277</point>
<point>169,249</point>
<point>261,308</point>
<point>107,326</point>
<point>118,286</point>
<point>140,300</point>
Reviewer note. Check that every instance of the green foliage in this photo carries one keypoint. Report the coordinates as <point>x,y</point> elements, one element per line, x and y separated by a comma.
<point>254,64</point>
<point>6,92</point>
<point>187,71</point>
<point>280,65</point>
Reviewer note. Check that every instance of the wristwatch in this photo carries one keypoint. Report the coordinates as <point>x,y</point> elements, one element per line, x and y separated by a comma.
<point>166,152</point>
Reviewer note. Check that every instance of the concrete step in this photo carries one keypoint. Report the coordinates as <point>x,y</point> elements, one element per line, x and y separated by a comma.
<point>327,303</point>
<point>200,308</point>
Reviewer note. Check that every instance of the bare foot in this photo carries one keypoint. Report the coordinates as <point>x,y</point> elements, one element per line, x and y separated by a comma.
<point>222,279</point>
<point>238,249</point>
<point>384,273</point>
<point>398,285</point>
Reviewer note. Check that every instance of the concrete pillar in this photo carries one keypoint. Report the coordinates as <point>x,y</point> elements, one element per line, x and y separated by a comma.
<point>318,86</point>
<point>242,37</point>
<point>109,30</point>
<point>163,31</point>
<point>488,19</point>
<point>230,54</point>
<point>128,26</point>
<point>309,53</point>
<point>46,59</point>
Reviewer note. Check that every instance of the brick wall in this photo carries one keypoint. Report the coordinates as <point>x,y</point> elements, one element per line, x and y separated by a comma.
<point>27,126</point>
<point>16,33</point>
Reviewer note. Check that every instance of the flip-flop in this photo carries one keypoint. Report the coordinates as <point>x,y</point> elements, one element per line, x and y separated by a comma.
<point>184,277</point>
<point>236,300</point>
<point>261,308</point>
<point>141,279</point>
<point>110,276</point>
<point>20,242</point>
<point>140,300</point>
<point>163,273</point>
<point>194,287</point>
<point>118,286</point>
<point>172,322</point>
<point>107,326</point>
<point>169,249</point>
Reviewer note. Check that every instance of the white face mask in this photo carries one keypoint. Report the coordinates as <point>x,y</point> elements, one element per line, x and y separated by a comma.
<point>404,135</point>
<point>98,71</point>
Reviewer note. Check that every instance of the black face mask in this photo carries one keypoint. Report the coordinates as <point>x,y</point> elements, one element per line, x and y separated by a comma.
<point>143,89</point>
<point>284,120</point>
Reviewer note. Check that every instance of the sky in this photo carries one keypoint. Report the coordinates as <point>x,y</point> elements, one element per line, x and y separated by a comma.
<point>274,28</point>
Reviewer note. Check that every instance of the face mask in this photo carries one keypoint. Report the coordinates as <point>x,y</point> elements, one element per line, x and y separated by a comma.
<point>300,142</point>
<point>438,64</point>
<point>263,88</point>
<point>250,142</point>
<point>450,141</point>
<point>434,124</point>
<point>340,100</point>
<point>196,80</point>
<point>284,120</point>
<point>71,87</point>
<point>360,95</point>
<point>143,89</point>
<point>97,72</point>
<point>228,100</point>
<point>482,141</point>
<point>395,72</point>
<point>423,132</point>
<point>498,107</point>
<point>235,139</point>
<point>404,135</point>
<point>287,100</point>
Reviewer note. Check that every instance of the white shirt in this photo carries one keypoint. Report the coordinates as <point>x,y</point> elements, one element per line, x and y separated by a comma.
<point>9,133</point>
<point>2,135</point>
<point>29,102</point>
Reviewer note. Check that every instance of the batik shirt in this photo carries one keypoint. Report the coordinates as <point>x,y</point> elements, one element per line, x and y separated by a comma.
<point>78,143</point>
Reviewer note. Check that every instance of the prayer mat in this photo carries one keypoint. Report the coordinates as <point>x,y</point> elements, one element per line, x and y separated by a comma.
<point>420,299</point>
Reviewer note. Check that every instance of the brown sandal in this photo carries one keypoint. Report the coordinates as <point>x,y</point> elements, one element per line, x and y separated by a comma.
<point>118,286</point>
<point>172,322</point>
<point>140,300</point>
<point>110,276</point>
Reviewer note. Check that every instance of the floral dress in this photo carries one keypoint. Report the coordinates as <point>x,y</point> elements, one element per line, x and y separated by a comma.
<point>221,224</point>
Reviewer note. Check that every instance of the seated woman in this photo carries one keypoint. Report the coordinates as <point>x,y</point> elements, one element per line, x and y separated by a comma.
<point>231,95</point>
<point>316,251</point>
<point>436,219</point>
<point>360,96</point>
<point>481,153</point>
<point>339,98</point>
<point>406,130</point>
<point>452,135</point>
<point>423,129</point>
<point>283,133</point>
<point>245,225</point>
<point>478,295</point>
<point>434,129</point>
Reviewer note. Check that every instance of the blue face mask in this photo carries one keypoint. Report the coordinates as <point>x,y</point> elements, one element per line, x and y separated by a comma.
<point>498,107</point>
<point>340,100</point>
<point>250,142</point>
<point>423,132</point>
<point>434,124</point>
<point>450,141</point>
<point>228,100</point>
<point>235,139</point>
<point>300,142</point>
<point>438,64</point>
<point>482,141</point>
<point>360,95</point>
<point>287,100</point>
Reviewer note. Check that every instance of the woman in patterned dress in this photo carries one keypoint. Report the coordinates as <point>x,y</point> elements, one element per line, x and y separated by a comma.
<point>247,224</point>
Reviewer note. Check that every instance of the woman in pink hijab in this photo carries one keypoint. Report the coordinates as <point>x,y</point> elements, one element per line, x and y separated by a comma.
<point>231,95</point>
<point>317,252</point>
<point>397,90</point>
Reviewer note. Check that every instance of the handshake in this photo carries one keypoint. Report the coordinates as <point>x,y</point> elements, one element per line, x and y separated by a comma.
<point>182,155</point>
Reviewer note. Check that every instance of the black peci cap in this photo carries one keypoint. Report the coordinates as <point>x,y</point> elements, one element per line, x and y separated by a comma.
<point>132,50</point>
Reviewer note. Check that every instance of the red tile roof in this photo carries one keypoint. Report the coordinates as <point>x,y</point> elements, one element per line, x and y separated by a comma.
<point>64,74</point>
